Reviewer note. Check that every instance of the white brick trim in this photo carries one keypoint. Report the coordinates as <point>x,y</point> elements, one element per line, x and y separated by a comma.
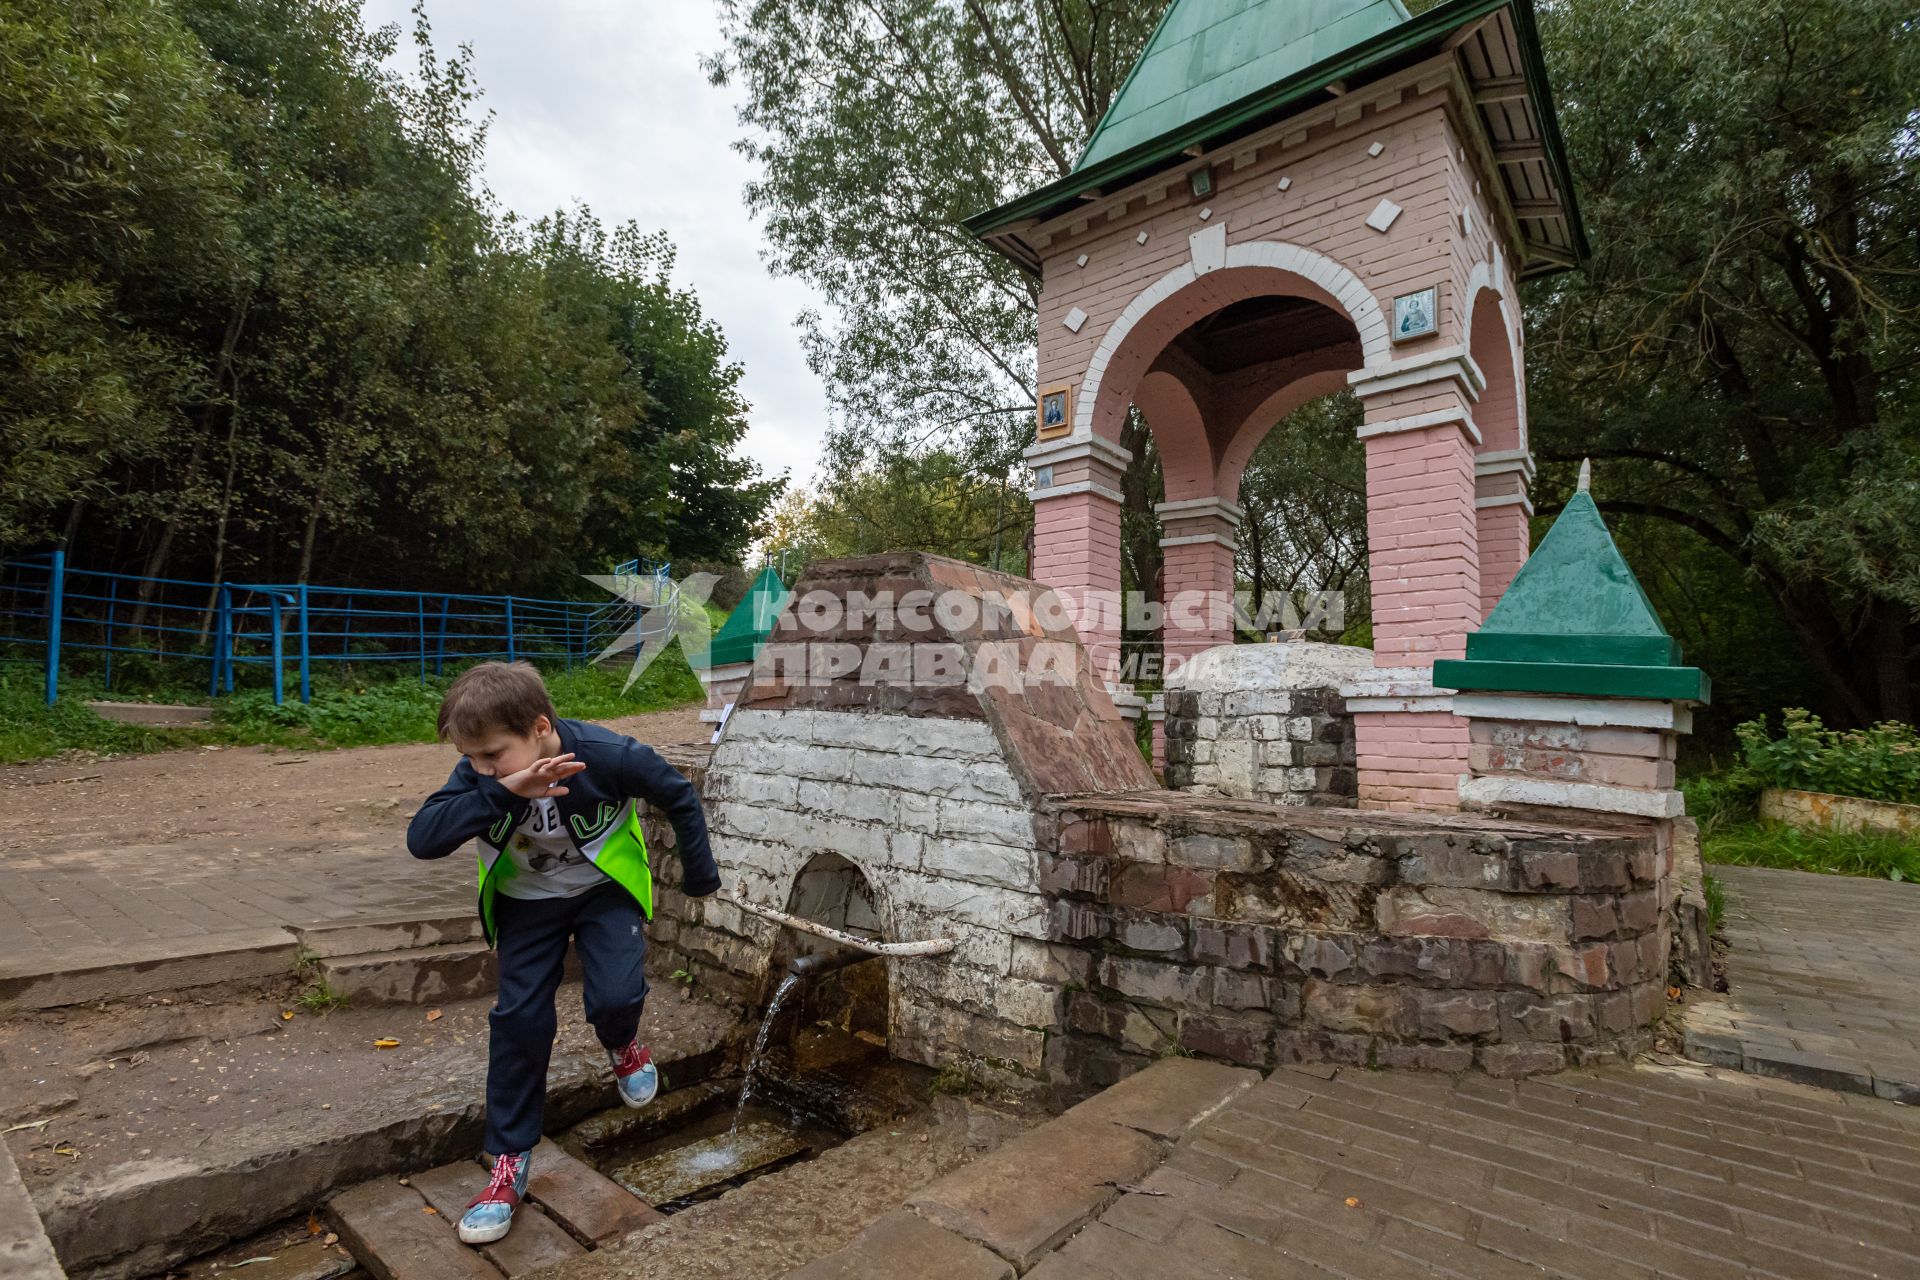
<point>1593,713</point>
<point>1505,500</point>
<point>1499,462</point>
<point>1078,486</point>
<point>1052,453</point>
<point>1187,508</point>
<point>1361,306</point>
<point>1189,539</point>
<point>1421,421</point>
<point>1589,796</point>
<point>1436,365</point>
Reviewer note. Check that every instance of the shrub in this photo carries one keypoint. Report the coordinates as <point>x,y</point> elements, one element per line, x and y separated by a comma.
<point>1880,763</point>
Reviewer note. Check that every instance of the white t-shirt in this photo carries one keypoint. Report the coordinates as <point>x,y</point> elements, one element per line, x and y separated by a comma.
<point>549,865</point>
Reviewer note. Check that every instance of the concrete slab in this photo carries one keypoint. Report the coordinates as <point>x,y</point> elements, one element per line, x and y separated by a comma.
<point>427,975</point>
<point>589,1204</point>
<point>390,1232</point>
<point>307,1260</point>
<point>25,1251</point>
<point>391,933</point>
<point>1169,1097</point>
<point>49,980</point>
<point>536,1240</point>
<point>1040,1188</point>
<point>904,1246</point>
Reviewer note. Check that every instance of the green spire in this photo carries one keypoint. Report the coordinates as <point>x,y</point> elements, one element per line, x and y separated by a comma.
<point>1575,621</point>
<point>746,628</point>
<point>1209,54</point>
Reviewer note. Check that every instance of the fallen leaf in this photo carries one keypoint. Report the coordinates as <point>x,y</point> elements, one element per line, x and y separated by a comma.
<point>333,1237</point>
<point>66,1149</point>
<point>313,1223</point>
<point>386,1042</point>
<point>1353,1202</point>
<point>434,1015</point>
<point>286,1015</point>
<point>1132,1189</point>
<point>427,1208</point>
<point>1673,993</point>
<point>29,1124</point>
<point>250,1261</point>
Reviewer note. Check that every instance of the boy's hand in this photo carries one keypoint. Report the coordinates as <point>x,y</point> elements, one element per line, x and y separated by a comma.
<point>543,777</point>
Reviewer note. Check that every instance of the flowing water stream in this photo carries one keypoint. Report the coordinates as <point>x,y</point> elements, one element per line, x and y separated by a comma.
<point>787,985</point>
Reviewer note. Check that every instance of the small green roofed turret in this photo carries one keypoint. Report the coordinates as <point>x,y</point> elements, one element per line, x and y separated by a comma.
<point>1575,621</point>
<point>747,627</point>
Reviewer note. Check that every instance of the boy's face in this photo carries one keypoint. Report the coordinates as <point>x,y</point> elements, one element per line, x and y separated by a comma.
<point>501,753</point>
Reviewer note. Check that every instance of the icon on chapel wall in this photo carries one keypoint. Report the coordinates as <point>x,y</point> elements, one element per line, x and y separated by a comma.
<point>1416,315</point>
<point>1056,412</point>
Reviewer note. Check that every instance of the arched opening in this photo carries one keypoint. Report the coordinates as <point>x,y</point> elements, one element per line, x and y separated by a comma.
<point>1502,466</point>
<point>1207,397</point>
<point>823,1048</point>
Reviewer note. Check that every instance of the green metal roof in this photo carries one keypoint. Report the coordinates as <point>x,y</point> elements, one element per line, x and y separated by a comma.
<point>1575,621</point>
<point>1208,54</point>
<point>747,627</point>
<point>1225,67</point>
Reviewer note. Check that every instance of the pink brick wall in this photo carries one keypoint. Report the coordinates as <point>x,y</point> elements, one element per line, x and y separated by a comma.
<point>1436,560</point>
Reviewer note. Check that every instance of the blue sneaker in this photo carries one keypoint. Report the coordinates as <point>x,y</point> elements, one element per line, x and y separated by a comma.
<point>490,1215</point>
<point>634,1071</point>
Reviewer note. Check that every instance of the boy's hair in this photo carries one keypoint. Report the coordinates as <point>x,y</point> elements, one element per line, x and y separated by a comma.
<point>494,697</point>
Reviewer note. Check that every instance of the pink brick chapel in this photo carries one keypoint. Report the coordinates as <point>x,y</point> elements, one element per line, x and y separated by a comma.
<point>1288,198</point>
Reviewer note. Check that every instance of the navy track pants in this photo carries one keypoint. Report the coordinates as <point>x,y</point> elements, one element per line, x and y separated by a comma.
<point>610,935</point>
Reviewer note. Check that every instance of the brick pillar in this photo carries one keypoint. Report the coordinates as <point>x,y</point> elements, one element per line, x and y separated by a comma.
<point>1504,512</point>
<point>1424,568</point>
<point>1076,538</point>
<point>1197,546</point>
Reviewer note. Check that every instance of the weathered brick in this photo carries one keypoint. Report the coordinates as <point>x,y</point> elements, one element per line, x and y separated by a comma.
<point>1555,1019</point>
<point>1230,946</point>
<point>1595,916</point>
<point>1157,887</point>
<point>1365,1010</point>
<point>1050,962</point>
<point>1443,1015</point>
<point>1157,982</point>
<point>1231,853</point>
<point>1322,955</point>
<point>1138,933</point>
<point>1244,1040</point>
<point>1510,1060</point>
<point>1062,874</point>
<point>1233,989</point>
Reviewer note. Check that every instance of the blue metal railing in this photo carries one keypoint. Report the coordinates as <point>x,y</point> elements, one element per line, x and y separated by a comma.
<point>53,613</point>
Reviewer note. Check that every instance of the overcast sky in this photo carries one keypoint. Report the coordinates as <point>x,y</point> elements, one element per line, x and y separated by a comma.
<point>604,101</point>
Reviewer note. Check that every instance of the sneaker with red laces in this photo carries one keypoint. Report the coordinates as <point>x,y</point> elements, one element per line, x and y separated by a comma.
<point>634,1071</point>
<point>490,1214</point>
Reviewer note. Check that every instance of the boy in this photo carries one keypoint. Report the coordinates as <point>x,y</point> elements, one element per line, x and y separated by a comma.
<point>551,803</point>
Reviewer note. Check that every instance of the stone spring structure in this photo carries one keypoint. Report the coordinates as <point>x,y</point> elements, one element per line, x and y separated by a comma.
<point>1102,921</point>
<point>1290,198</point>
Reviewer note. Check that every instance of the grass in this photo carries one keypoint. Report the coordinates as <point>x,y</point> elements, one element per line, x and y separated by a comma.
<point>320,998</point>
<point>1716,902</point>
<point>1832,853</point>
<point>351,707</point>
<point>1727,808</point>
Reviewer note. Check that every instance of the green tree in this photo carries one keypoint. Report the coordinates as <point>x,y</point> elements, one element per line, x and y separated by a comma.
<point>1739,357</point>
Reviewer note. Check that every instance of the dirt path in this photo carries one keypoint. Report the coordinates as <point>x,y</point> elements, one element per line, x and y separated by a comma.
<point>170,850</point>
<point>247,793</point>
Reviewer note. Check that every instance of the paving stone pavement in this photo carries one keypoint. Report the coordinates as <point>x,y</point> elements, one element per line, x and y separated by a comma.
<point>1616,1175</point>
<point>1823,977</point>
